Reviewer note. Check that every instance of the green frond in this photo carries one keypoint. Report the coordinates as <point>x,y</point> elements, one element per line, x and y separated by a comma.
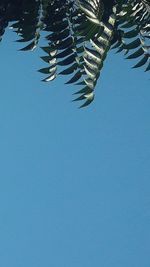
<point>79,36</point>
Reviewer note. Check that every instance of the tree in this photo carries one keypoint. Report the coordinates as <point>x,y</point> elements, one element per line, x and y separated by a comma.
<point>80,33</point>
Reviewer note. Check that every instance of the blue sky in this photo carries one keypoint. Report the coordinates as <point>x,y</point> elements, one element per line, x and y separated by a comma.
<point>74,186</point>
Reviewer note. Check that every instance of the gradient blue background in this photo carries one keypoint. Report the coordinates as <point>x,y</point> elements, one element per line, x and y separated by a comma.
<point>74,184</point>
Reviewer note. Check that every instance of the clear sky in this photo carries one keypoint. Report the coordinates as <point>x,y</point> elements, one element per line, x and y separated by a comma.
<point>74,183</point>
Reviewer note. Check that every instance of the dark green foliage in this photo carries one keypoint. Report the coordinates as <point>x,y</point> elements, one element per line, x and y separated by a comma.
<point>79,34</point>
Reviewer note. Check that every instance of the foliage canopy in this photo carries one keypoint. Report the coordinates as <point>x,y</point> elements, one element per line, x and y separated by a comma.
<point>79,35</point>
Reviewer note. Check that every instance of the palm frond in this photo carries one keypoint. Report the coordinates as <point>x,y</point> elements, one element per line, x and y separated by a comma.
<point>79,35</point>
